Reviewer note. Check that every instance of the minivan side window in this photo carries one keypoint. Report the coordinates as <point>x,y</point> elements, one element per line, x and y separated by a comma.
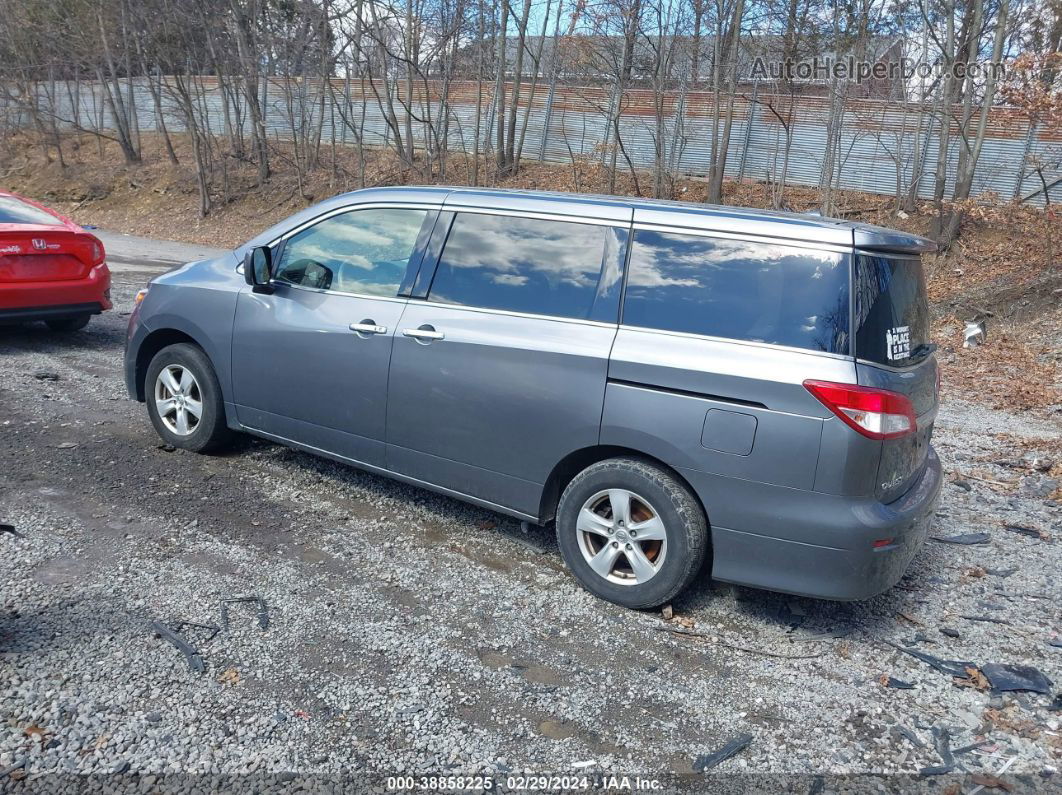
<point>739,289</point>
<point>361,251</point>
<point>544,267</point>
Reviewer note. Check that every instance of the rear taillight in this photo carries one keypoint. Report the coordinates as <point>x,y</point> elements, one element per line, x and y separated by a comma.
<point>875,413</point>
<point>97,252</point>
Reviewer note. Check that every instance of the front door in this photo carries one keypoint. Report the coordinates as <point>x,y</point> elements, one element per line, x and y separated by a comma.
<point>310,360</point>
<point>501,372</point>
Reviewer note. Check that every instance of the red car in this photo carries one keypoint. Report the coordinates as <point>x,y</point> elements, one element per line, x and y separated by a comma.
<point>50,268</point>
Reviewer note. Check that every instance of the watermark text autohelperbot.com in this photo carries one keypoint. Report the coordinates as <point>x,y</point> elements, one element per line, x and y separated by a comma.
<point>850,68</point>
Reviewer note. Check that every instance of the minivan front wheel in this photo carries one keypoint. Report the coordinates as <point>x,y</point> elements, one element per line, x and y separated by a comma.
<point>184,399</point>
<point>631,532</point>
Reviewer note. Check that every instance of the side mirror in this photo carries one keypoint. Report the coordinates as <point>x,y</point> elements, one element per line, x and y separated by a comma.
<point>258,269</point>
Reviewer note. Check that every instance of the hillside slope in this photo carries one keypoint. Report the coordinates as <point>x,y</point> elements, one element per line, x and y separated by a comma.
<point>1006,267</point>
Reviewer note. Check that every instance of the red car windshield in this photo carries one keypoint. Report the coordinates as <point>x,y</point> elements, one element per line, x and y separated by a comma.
<point>13,211</point>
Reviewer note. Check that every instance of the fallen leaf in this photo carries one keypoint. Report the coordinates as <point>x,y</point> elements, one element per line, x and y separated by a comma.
<point>230,677</point>
<point>35,732</point>
<point>989,781</point>
<point>911,619</point>
<point>974,678</point>
<point>302,714</point>
<point>1006,720</point>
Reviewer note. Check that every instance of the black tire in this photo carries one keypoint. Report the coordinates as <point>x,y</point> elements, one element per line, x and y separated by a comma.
<point>75,323</point>
<point>209,432</point>
<point>685,528</point>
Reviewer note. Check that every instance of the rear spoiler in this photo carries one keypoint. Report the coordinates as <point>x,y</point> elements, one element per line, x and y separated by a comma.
<point>890,241</point>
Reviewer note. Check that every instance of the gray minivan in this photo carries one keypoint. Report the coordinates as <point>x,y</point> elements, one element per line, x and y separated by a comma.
<point>679,387</point>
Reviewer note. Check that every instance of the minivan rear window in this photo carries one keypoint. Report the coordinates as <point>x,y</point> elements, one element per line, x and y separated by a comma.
<point>739,289</point>
<point>13,211</point>
<point>891,310</point>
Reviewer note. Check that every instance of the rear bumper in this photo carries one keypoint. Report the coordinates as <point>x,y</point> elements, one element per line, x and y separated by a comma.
<point>44,299</point>
<point>819,545</point>
<point>55,312</point>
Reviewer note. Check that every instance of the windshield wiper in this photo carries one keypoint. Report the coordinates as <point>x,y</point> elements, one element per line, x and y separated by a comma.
<point>920,351</point>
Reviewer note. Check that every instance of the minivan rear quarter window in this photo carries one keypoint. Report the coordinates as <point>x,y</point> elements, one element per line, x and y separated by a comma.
<point>739,289</point>
<point>537,266</point>
<point>891,310</point>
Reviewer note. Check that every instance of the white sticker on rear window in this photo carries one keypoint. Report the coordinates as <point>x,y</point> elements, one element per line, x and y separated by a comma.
<point>898,342</point>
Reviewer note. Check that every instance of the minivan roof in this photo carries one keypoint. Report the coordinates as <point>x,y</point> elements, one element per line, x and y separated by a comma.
<point>792,226</point>
<point>782,225</point>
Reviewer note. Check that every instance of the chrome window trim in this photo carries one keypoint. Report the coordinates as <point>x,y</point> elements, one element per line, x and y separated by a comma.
<point>893,369</point>
<point>393,299</point>
<point>537,216</point>
<point>890,254</point>
<point>834,248</point>
<point>731,341</point>
<point>390,205</point>
<point>509,313</point>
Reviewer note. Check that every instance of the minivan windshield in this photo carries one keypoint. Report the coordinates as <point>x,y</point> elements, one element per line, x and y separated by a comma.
<point>891,310</point>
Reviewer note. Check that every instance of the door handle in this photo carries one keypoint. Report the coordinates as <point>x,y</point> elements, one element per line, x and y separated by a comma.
<point>426,333</point>
<point>368,327</point>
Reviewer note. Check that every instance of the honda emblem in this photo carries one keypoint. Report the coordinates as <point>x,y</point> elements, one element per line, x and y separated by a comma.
<point>40,244</point>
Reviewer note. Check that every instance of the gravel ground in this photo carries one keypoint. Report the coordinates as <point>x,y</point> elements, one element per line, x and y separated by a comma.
<point>409,633</point>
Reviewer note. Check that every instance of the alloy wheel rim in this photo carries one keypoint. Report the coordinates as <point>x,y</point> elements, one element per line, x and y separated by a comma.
<point>621,537</point>
<point>178,399</point>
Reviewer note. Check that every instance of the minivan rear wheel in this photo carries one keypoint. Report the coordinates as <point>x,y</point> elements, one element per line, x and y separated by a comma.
<point>184,399</point>
<point>631,532</point>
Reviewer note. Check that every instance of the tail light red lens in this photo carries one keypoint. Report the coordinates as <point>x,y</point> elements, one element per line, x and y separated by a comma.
<point>98,254</point>
<point>875,413</point>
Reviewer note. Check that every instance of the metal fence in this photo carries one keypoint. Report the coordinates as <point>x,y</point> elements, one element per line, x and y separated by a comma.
<point>876,144</point>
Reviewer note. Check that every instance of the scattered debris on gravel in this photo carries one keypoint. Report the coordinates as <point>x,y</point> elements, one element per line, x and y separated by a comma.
<point>403,632</point>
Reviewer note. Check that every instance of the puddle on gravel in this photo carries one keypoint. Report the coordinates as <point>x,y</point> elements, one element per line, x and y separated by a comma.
<point>494,659</point>
<point>63,570</point>
<point>406,599</point>
<point>541,675</point>
<point>557,730</point>
<point>536,674</point>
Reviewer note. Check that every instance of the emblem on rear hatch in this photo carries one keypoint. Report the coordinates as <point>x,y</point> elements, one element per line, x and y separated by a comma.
<point>11,250</point>
<point>40,243</point>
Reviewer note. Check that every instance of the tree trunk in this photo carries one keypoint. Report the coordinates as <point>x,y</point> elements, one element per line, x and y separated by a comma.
<point>715,184</point>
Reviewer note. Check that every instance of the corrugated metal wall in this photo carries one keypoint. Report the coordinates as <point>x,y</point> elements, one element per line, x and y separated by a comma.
<point>878,139</point>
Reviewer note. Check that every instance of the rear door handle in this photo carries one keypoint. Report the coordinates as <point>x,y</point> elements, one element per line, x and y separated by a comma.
<point>368,327</point>
<point>423,333</point>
